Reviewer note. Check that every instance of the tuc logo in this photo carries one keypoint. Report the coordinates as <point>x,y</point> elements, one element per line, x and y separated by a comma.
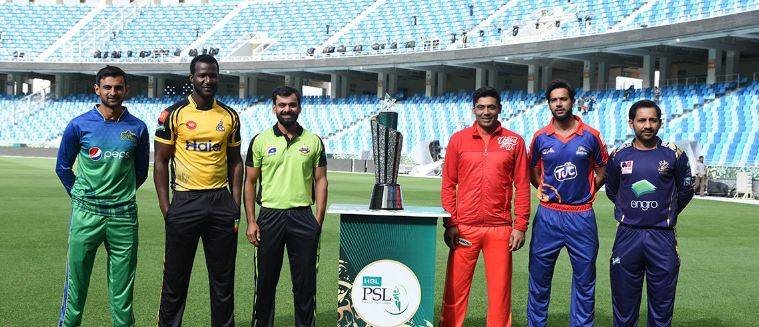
<point>565,172</point>
<point>386,293</point>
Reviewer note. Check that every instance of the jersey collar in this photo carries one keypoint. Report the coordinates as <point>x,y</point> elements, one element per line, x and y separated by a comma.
<point>278,133</point>
<point>579,130</point>
<point>476,129</point>
<point>192,101</point>
<point>118,119</point>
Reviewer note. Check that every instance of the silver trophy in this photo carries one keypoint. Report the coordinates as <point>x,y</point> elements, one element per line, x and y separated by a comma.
<point>386,146</point>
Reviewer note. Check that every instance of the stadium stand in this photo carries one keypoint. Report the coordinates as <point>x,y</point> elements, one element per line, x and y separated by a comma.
<point>722,118</point>
<point>289,28</point>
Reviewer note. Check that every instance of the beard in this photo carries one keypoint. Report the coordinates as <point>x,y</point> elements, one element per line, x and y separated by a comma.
<point>287,122</point>
<point>567,114</point>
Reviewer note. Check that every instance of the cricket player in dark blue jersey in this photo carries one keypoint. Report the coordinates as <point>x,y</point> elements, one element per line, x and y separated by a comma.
<point>650,183</point>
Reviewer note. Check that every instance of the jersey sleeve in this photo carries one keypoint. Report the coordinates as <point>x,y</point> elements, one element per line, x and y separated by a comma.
<point>234,136</point>
<point>450,180</point>
<point>67,152</point>
<point>521,188</point>
<point>320,159</point>
<point>601,155</point>
<point>612,178</point>
<point>142,159</point>
<point>165,131</point>
<point>683,181</point>
<point>534,151</point>
<point>254,156</point>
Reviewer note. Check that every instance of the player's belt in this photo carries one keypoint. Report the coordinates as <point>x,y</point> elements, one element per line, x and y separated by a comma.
<point>647,227</point>
<point>208,190</point>
<point>567,207</point>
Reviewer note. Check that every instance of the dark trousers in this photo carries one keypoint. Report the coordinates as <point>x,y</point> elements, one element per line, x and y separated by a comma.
<point>297,229</point>
<point>213,217</point>
<point>637,253</point>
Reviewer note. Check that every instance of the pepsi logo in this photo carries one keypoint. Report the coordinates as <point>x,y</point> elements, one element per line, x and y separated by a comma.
<point>95,153</point>
<point>191,124</point>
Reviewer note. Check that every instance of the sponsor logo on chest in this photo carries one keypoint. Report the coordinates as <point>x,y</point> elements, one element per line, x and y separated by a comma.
<point>507,142</point>
<point>627,167</point>
<point>565,172</point>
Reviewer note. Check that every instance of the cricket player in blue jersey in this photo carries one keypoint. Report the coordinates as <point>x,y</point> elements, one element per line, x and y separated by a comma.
<point>650,183</point>
<point>111,150</point>
<point>567,162</point>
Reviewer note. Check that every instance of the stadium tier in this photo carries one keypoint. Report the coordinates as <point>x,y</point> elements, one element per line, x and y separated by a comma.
<point>291,29</point>
<point>723,119</point>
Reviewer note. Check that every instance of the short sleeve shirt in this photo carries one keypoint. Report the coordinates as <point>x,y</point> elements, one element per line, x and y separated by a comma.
<point>201,138</point>
<point>287,167</point>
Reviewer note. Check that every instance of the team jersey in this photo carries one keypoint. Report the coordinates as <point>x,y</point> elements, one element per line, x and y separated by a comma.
<point>111,162</point>
<point>200,137</point>
<point>287,167</point>
<point>649,188</point>
<point>480,179</point>
<point>567,164</point>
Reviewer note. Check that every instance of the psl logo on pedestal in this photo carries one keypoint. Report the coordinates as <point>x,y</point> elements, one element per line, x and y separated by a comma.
<point>386,293</point>
<point>96,154</point>
<point>565,172</point>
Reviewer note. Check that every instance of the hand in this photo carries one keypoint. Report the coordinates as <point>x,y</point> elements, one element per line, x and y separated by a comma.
<point>164,209</point>
<point>516,241</point>
<point>253,233</point>
<point>451,236</point>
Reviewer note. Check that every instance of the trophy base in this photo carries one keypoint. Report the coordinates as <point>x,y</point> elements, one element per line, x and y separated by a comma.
<point>386,197</point>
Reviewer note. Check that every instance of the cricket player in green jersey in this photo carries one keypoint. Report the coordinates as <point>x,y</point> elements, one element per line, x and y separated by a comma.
<point>111,150</point>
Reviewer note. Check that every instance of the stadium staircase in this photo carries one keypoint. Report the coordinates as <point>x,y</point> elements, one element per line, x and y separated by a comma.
<point>85,42</point>
<point>625,22</point>
<point>353,23</point>
<point>70,33</point>
<point>487,21</point>
<point>216,27</point>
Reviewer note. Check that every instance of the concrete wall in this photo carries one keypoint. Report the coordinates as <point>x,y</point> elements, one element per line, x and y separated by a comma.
<point>411,86</point>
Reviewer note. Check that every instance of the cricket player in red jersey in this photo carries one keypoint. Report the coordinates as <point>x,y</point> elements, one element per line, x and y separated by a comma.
<point>484,165</point>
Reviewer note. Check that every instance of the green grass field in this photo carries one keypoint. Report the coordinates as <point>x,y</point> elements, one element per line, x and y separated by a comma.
<point>717,287</point>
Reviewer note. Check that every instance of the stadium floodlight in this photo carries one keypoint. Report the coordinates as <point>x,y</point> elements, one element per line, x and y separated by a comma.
<point>394,45</point>
<point>410,44</point>
<point>97,54</point>
<point>177,52</point>
<point>329,49</point>
<point>358,48</point>
<point>310,51</point>
<point>193,52</point>
<point>375,46</point>
<point>341,48</point>
<point>129,53</point>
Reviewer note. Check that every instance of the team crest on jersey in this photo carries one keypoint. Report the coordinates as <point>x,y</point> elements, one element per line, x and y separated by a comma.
<point>627,167</point>
<point>304,150</point>
<point>220,126</point>
<point>128,136</point>
<point>663,167</point>
<point>547,151</point>
<point>616,261</point>
<point>507,142</point>
<point>581,151</point>
<point>272,151</point>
